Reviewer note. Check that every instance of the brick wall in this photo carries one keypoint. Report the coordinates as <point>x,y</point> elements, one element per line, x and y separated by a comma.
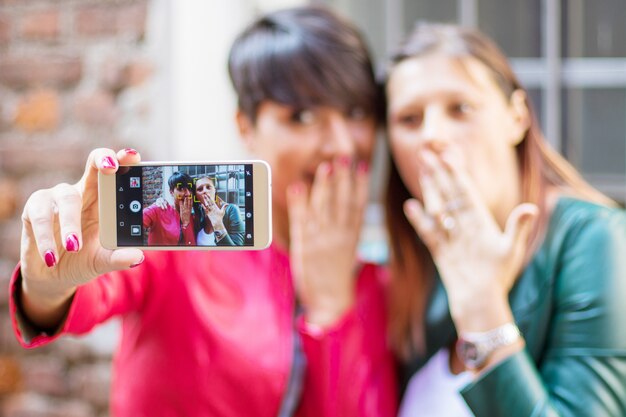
<point>73,76</point>
<point>152,184</point>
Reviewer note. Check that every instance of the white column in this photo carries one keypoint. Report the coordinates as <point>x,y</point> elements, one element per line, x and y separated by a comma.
<point>203,102</point>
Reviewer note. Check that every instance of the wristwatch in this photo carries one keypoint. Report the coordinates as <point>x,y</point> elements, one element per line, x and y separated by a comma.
<point>219,234</point>
<point>474,348</point>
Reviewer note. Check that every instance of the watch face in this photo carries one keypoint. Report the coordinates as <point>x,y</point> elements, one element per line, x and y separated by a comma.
<point>474,348</point>
<point>469,353</point>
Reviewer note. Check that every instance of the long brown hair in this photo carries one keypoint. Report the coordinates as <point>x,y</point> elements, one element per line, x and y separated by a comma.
<point>200,217</point>
<point>541,167</point>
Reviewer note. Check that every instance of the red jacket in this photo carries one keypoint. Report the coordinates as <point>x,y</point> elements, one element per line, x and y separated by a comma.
<point>165,227</point>
<point>212,333</point>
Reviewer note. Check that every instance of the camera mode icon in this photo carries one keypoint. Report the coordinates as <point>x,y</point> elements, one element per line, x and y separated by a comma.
<point>134,206</point>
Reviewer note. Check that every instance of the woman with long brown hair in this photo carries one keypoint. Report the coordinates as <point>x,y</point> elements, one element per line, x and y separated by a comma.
<point>508,271</point>
<point>217,223</point>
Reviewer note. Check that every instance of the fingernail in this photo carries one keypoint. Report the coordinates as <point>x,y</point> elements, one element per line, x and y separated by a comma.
<point>108,162</point>
<point>326,168</point>
<point>71,243</point>
<point>423,170</point>
<point>297,188</point>
<point>362,167</point>
<point>50,259</point>
<point>451,157</point>
<point>138,263</point>
<point>438,146</point>
<point>130,151</point>
<point>345,161</point>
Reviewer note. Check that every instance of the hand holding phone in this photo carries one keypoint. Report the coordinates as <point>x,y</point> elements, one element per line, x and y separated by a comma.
<point>60,246</point>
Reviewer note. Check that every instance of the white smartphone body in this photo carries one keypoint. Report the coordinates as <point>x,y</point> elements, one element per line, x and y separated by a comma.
<point>141,205</point>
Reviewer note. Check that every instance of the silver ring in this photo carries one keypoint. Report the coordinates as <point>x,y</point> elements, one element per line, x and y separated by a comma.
<point>454,205</point>
<point>448,222</point>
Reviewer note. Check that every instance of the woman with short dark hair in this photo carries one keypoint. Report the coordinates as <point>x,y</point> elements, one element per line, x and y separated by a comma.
<point>296,329</point>
<point>169,225</point>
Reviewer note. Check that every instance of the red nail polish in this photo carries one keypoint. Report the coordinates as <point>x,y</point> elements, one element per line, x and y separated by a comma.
<point>326,168</point>
<point>130,151</point>
<point>108,162</point>
<point>50,259</point>
<point>138,263</point>
<point>362,167</point>
<point>345,161</point>
<point>71,243</point>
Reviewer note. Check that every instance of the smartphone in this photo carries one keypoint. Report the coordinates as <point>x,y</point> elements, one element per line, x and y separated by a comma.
<point>222,205</point>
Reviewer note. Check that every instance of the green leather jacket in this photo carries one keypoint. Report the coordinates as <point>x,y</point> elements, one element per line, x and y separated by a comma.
<point>570,305</point>
<point>233,223</point>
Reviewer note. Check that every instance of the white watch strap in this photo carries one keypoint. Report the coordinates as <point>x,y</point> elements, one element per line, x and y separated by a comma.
<point>504,335</point>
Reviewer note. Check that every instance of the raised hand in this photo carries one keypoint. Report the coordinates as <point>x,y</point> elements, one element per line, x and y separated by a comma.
<point>60,247</point>
<point>324,233</point>
<point>213,212</point>
<point>185,210</point>
<point>161,203</point>
<point>477,260</point>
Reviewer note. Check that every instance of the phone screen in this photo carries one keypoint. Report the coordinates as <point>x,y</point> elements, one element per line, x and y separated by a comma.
<point>185,205</point>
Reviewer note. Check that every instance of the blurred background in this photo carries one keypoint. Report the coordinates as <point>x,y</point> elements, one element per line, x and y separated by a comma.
<point>151,74</point>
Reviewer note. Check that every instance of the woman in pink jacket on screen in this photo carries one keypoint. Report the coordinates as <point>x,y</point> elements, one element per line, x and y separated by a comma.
<point>172,225</point>
<point>296,329</point>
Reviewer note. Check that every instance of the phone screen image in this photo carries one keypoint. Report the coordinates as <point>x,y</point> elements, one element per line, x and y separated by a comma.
<point>185,205</point>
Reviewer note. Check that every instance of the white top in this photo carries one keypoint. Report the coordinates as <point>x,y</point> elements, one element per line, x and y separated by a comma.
<point>204,239</point>
<point>434,391</point>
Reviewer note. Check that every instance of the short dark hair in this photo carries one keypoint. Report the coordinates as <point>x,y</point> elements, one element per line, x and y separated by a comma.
<point>303,57</point>
<point>183,179</point>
